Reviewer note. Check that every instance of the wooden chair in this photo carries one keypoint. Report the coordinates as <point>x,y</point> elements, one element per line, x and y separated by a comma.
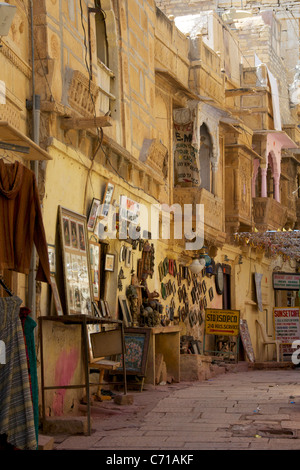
<point>267,340</point>
<point>107,352</point>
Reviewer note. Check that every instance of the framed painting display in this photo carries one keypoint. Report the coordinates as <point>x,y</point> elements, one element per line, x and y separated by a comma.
<point>95,251</point>
<point>137,347</point>
<point>92,219</point>
<point>108,314</point>
<point>56,297</point>
<point>109,262</point>
<point>129,210</point>
<point>107,200</point>
<point>123,302</point>
<point>76,262</point>
<point>52,260</point>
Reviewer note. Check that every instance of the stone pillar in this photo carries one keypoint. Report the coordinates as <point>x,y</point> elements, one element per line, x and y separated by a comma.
<point>276,179</point>
<point>264,182</point>
<point>214,168</point>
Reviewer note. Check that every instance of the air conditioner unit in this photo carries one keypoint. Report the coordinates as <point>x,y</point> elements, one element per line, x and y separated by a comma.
<point>7,13</point>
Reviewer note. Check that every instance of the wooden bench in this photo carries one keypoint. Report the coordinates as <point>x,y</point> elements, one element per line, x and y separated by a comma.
<point>267,340</point>
<point>106,352</point>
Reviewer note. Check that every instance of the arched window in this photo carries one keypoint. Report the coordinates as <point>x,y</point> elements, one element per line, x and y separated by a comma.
<point>101,38</point>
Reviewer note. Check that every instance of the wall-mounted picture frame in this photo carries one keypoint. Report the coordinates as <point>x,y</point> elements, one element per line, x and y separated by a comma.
<point>95,263</point>
<point>107,200</point>
<point>52,258</point>
<point>128,260</point>
<point>211,293</point>
<point>129,210</point>
<point>55,296</point>
<point>125,309</point>
<point>109,264</point>
<point>76,262</point>
<point>93,214</point>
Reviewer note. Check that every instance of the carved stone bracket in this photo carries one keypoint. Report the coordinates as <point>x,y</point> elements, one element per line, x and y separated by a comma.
<point>82,94</point>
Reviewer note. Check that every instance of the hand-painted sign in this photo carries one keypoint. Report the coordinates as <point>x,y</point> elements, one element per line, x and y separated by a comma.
<point>286,323</point>
<point>185,155</point>
<point>286,281</point>
<point>222,322</point>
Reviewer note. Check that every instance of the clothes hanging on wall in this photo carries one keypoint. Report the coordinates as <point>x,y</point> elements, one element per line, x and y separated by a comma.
<point>16,410</point>
<point>21,221</point>
<point>28,325</point>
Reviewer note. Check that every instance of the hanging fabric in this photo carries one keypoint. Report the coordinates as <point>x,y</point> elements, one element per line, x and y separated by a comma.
<point>16,409</point>
<point>21,221</point>
<point>28,325</point>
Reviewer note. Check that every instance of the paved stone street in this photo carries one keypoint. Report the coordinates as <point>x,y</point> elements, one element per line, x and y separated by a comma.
<point>253,410</point>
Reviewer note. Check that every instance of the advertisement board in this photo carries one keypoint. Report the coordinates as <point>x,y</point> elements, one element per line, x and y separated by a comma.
<point>222,322</point>
<point>286,324</point>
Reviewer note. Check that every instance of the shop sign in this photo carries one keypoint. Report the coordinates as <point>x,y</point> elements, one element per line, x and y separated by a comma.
<point>222,322</point>
<point>185,155</point>
<point>286,324</point>
<point>286,281</point>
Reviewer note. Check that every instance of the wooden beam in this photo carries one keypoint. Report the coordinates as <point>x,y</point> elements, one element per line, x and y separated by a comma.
<point>86,123</point>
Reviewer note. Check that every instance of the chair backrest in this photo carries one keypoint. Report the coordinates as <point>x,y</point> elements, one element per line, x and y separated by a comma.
<point>106,343</point>
<point>263,331</point>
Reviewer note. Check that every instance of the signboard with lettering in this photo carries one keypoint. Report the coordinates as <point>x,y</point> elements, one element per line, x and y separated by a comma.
<point>222,322</point>
<point>286,281</point>
<point>185,155</point>
<point>286,324</point>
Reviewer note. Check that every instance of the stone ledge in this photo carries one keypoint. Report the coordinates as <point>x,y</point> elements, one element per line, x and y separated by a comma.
<point>64,425</point>
<point>195,367</point>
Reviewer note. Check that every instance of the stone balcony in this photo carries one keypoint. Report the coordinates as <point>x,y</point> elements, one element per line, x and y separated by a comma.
<point>268,214</point>
<point>213,211</point>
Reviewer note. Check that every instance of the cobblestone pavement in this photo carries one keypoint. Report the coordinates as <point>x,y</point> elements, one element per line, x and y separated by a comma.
<point>253,410</point>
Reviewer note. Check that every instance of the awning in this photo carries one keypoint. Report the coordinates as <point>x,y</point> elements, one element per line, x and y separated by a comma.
<point>32,151</point>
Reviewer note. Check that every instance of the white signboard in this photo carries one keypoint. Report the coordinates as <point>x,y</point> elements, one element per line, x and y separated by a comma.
<point>286,324</point>
<point>286,281</point>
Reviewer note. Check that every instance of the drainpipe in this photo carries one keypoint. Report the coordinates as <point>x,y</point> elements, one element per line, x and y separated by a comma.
<point>35,169</point>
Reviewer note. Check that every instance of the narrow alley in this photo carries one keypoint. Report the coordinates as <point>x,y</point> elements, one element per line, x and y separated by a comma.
<point>248,410</point>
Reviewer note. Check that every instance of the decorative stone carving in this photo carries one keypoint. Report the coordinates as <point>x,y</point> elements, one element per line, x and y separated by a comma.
<point>155,154</point>
<point>82,93</point>
<point>268,213</point>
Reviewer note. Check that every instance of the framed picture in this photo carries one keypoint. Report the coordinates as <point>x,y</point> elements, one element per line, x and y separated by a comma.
<point>106,201</point>
<point>128,257</point>
<point>93,214</point>
<point>109,262</point>
<point>56,297</point>
<point>76,262</point>
<point>211,293</point>
<point>52,260</point>
<point>137,346</point>
<point>97,311</point>
<point>95,251</point>
<point>102,308</point>
<point>108,314</point>
<point>129,210</point>
<point>123,302</point>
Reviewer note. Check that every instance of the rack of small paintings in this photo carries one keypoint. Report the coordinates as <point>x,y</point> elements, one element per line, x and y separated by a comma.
<point>76,259</point>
